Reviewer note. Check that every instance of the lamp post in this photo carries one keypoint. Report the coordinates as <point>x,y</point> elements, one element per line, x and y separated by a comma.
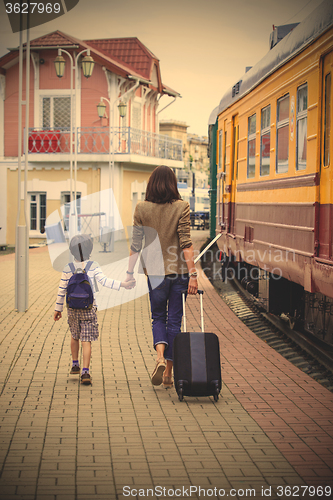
<point>87,69</point>
<point>101,107</point>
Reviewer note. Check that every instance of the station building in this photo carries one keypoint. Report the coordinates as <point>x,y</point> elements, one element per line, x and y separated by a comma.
<point>62,168</point>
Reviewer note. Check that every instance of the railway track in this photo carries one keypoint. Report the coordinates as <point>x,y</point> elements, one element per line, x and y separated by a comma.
<point>294,346</point>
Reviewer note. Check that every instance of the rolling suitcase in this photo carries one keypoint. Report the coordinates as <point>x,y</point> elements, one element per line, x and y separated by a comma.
<point>196,361</point>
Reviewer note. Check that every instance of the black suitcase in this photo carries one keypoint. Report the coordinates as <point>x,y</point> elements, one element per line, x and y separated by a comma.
<point>196,361</point>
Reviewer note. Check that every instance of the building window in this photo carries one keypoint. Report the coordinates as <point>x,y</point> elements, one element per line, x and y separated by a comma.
<point>56,112</point>
<point>282,139</point>
<point>37,211</point>
<point>251,147</point>
<point>136,115</point>
<point>301,127</point>
<point>265,140</point>
<point>236,89</point>
<point>65,201</point>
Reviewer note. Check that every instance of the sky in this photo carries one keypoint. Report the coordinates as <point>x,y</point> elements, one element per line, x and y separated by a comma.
<point>203,46</point>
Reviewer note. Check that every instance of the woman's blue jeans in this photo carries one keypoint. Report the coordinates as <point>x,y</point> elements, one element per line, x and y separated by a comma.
<point>166,308</point>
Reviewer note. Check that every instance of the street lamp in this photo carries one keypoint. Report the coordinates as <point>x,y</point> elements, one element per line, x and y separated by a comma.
<point>87,64</point>
<point>59,64</point>
<point>101,107</point>
<point>87,69</point>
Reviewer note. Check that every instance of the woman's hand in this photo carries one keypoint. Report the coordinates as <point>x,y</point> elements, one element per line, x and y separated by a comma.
<point>128,283</point>
<point>192,285</point>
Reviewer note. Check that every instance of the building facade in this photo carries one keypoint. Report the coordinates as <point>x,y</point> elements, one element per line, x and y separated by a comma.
<point>195,153</point>
<point>73,149</point>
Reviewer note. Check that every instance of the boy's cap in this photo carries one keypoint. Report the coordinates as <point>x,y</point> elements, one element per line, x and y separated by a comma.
<point>81,246</point>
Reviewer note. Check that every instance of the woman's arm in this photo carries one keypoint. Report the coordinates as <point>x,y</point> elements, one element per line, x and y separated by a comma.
<point>131,264</point>
<point>189,257</point>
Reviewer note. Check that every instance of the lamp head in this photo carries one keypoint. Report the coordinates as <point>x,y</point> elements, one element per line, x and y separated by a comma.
<point>87,65</point>
<point>101,109</point>
<point>59,64</point>
<point>122,106</point>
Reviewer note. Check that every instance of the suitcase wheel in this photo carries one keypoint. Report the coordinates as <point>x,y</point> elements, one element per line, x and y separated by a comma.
<point>216,397</point>
<point>180,390</point>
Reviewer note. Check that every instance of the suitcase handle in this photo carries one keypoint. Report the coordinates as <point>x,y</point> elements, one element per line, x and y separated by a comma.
<point>200,293</point>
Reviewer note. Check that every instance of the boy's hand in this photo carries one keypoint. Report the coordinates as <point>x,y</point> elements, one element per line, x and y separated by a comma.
<point>128,283</point>
<point>57,315</point>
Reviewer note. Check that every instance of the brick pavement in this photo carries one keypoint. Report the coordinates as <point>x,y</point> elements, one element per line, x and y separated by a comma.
<point>63,441</point>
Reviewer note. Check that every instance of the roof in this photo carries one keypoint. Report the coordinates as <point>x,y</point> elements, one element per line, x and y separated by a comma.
<point>58,39</point>
<point>128,50</point>
<point>123,56</point>
<point>305,33</point>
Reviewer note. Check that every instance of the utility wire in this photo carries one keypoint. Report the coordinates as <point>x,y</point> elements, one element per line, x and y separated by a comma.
<point>292,17</point>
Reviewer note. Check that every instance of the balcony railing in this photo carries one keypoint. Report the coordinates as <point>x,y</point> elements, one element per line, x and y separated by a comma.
<point>95,140</point>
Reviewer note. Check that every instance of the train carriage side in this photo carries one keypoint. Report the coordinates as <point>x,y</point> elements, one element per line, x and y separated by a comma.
<point>275,186</point>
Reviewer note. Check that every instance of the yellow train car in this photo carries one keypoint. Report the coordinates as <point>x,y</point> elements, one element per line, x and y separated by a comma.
<point>275,175</point>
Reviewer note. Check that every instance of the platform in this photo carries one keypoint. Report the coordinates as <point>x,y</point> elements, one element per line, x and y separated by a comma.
<point>270,434</point>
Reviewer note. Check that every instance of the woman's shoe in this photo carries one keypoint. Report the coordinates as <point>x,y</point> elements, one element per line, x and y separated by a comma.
<point>167,382</point>
<point>157,374</point>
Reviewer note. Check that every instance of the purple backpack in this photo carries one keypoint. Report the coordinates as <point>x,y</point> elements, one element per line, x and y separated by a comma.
<point>79,290</point>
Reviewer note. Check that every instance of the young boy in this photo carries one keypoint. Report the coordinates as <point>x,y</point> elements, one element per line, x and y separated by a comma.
<point>83,322</point>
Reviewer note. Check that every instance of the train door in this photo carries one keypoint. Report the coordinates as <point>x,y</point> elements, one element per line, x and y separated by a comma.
<point>221,178</point>
<point>325,250</point>
<point>234,173</point>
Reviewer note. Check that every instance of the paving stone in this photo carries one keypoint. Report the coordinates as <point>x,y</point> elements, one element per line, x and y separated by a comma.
<point>271,426</point>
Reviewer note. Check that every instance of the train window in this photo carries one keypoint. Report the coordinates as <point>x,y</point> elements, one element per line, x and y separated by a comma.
<point>327,119</point>
<point>282,139</point>
<point>265,140</point>
<point>301,127</point>
<point>251,147</point>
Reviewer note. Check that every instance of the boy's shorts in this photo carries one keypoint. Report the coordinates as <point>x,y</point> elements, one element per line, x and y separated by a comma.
<point>83,324</point>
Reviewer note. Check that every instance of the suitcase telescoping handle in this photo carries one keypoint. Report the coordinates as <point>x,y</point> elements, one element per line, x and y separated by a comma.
<point>200,293</point>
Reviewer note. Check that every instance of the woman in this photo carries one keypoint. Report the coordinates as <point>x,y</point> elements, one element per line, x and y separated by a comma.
<point>163,221</point>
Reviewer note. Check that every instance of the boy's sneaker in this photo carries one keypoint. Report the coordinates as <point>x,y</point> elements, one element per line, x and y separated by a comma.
<point>75,370</point>
<point>86,379</point>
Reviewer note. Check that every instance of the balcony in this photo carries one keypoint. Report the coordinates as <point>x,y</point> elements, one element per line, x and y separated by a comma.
<point>95,140</point>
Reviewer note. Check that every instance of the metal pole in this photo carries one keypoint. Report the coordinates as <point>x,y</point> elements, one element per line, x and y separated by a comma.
<point>70,225</point>
<point>110,220</point>
<point>75,138</point>
<point>22,235</point>
<point>27,113</point>
<point>76,80</point>
<point>137,83</point>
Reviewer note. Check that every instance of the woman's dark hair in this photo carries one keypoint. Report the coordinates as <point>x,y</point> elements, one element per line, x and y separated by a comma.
<point>81,247</point>
<point>162,186</point>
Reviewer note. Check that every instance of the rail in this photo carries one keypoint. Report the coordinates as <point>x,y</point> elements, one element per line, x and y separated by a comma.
<point>96,140</point>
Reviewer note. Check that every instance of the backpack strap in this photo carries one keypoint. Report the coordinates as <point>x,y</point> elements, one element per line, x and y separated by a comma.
<point>72,267</point>
<point>88,266</point>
